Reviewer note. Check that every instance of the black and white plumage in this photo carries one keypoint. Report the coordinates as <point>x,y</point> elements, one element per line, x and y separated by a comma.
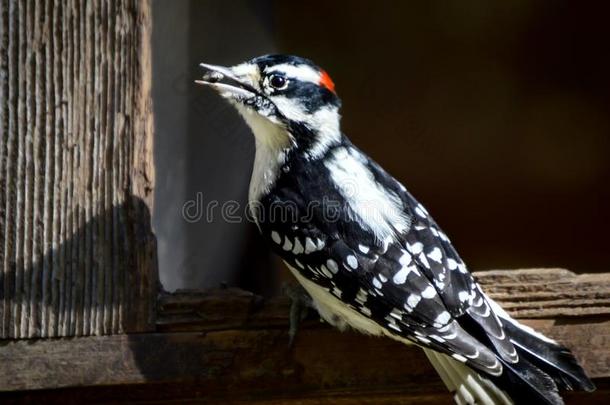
<point>367,252</point>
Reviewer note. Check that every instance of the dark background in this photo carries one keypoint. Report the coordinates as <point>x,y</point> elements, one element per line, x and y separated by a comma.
<point>493,114</point>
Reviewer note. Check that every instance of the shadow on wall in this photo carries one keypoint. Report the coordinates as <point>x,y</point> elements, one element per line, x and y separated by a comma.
<point>101,280</point>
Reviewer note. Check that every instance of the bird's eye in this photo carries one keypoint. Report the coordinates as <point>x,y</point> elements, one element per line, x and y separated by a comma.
<point>278,82</point>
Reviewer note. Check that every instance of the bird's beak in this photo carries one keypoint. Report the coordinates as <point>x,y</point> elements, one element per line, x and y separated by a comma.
<point>225,81</point>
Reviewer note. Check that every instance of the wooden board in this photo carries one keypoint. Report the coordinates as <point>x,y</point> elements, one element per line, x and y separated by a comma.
<point>238,364</point>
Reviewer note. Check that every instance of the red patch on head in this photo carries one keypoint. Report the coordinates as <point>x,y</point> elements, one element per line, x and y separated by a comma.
<point>326,81</point>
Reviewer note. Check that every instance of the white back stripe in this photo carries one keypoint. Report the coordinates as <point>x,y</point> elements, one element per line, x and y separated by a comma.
<point>374,207</point>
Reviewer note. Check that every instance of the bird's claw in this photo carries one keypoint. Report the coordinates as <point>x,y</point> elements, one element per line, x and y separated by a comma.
<point>300,302</point>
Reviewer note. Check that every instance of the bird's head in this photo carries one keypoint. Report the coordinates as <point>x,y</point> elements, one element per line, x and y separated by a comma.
<point>286,100</point>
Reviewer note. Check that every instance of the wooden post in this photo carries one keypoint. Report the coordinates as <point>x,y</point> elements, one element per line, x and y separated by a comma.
<point>77,254</point>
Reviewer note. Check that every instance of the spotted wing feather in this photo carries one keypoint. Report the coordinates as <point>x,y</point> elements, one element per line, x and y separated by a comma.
<point>368,279</point>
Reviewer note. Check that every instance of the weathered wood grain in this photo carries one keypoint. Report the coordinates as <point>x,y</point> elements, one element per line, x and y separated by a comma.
<point>547,293</point>
<point>77,255</point>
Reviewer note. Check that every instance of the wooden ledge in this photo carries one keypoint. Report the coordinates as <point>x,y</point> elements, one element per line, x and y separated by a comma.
<point>524,293</point>
<point>548,293</point>
<point>231,345</point>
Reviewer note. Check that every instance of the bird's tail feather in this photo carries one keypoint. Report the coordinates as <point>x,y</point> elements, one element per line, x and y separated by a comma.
<point>528,384</point>
<point>544,366</point>
<point>467,386</point>
<point>545,354</point>
<point>550,357</point>
<point>520,383</point>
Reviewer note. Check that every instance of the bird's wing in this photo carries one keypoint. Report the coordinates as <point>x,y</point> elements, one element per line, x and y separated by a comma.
<point>435,258</point>
<point>411,286</point>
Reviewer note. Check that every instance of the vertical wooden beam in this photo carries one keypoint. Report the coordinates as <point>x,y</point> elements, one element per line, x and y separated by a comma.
<point>77,253</point>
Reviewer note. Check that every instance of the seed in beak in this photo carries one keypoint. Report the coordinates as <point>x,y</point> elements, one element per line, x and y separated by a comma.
<point>213,77</point>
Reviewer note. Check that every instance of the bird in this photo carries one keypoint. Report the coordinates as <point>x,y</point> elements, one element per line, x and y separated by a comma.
<point>369,255</point>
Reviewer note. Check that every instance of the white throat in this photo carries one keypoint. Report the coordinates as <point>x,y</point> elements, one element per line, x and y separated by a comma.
<point>267,163</point>
<point>271,142</point>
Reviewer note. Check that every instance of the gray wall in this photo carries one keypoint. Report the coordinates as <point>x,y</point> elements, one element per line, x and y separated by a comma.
<point>201,146</point>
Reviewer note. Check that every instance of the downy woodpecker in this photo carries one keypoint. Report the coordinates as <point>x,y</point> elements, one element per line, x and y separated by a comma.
<point>369,255</point>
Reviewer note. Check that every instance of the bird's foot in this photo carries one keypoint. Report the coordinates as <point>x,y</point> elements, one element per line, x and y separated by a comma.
<point>300,302</point>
